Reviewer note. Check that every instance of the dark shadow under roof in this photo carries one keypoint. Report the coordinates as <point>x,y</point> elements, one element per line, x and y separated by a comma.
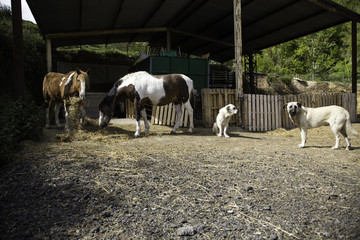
<point>196,26</point>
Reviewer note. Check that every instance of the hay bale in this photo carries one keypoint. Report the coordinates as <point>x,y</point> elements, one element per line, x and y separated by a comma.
<point>76,106</point>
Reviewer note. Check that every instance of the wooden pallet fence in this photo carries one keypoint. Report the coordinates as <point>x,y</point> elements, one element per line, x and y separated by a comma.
<point>161,115</point>
<point>214,99</point>
<point>266,113</point>
<point>261,112</point>
<point>166,115</point>
<point>349,102</point>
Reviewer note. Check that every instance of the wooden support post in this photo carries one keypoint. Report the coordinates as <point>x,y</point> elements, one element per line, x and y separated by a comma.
<point>48,55</point>
<point>18,50</point>
<point>238,55</point>
<point>354,56</point>
<point>238,47</point>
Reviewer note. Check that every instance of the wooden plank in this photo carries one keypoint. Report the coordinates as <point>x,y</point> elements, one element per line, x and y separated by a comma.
<point>346,101</point>
<point>272,106</point>
<point>152,114</point>
<point>313,101</point>
<point>245,113</point>
<point>284,117</point>
<point>173,116</point>
<point>157,114</point>
<point>164,118</point>
<point>249,107</point>
<point>264,111</point>
<point>170,112</point>
<point>269,113</point>
<point>273,125</point>
<point>278,111</point>
<point>161,115</point>
<point>256,112</point>
<point>353,107</point>
<point>253,112</point>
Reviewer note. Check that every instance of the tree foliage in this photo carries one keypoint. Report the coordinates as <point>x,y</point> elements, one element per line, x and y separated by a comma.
<point>34,56</point>
<point>325,55</point>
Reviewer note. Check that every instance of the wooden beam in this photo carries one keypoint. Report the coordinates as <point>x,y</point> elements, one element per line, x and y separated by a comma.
<point>238,48</point>
<point>18,50</point>
<point>203,37</point>
<point>48,55</point>
<point>336,8</point>
<point>105,32</point>
<point>354,56</point>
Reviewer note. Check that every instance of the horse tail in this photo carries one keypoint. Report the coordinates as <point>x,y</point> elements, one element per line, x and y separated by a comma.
<point>193,99</point>
<point>44,89</point>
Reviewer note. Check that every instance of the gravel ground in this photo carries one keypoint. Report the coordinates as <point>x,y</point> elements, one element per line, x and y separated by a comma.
<point>106,184</point>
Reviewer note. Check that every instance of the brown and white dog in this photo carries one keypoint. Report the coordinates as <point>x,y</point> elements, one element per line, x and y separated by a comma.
<point>222,120</point>
<point>337,117</point>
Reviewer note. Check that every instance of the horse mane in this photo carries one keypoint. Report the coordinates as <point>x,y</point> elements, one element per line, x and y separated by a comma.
<point>111,95</point>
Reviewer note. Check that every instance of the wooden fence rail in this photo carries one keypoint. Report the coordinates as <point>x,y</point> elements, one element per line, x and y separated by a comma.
<point>258,113</point>
<point>161,115</point>
<point>261,113</point>
<point>265,113</point>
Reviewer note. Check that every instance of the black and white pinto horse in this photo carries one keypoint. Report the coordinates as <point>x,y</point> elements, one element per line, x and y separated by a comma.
<point>143,88</point>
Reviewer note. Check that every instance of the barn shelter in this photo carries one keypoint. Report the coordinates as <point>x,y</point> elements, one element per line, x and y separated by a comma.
<point>197,27</point>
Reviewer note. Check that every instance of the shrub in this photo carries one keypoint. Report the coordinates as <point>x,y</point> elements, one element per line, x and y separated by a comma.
<point>19,120</point>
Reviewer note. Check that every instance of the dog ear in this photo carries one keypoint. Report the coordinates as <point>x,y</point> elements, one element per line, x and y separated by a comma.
<point>299,105</point>
<point>285,106</point>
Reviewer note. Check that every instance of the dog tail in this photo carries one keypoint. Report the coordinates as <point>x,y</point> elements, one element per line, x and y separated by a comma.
<point>350,127</point>
<point>215,128</point>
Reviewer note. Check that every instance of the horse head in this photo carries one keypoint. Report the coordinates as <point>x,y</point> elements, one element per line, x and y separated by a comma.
<point>82,83</point>
<point>105,113</point>
<point>107,104</point>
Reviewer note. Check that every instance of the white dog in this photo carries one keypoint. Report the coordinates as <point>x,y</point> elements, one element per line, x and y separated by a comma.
<point>222,120</point>
<point>337,117</point>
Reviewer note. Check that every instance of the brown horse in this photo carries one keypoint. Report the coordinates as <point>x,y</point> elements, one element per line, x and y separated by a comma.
<point>58,88</point>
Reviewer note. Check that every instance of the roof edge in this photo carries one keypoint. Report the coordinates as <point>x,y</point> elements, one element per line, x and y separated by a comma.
<point>336,8</point>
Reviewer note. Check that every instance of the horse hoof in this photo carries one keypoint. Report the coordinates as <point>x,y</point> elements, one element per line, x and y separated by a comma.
<point>173,133</point>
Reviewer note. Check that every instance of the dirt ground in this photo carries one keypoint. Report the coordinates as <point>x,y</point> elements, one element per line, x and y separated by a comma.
<point>106,184</point>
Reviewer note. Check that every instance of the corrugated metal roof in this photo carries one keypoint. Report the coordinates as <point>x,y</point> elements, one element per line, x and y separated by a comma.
<point>197,26</point>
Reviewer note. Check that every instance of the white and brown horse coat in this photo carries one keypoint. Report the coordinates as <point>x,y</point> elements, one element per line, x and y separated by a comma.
<point>58,88</point>
<point>143,88</point>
